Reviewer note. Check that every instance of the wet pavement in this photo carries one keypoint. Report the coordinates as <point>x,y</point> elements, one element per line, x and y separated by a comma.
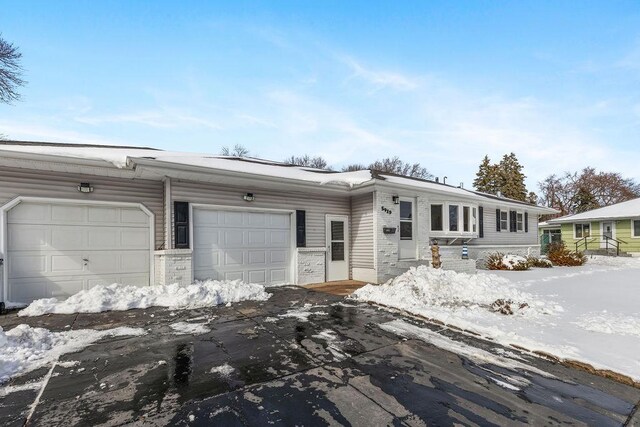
<point>301,358</point>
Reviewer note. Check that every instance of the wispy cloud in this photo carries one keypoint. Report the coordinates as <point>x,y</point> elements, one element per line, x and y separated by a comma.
<point>381,79</point>
<point>160,119</point>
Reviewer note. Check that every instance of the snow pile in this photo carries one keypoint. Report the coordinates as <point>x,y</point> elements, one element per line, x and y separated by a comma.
<point>438,293</point>
<point>303,313</point>
<point>23,348</point>
<point>617,262</point>
<point>117,297</point>
<point>608,323</point>
<point>513,262</point>
<point>185,328</point>
<point>223,370</point>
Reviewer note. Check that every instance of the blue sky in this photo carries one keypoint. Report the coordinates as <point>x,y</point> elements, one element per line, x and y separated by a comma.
<point>442,83</point>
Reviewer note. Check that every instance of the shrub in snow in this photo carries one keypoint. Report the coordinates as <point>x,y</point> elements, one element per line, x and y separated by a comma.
<point>558,254</point>
<point>125,297</point>
<point>498,261</point>
<point>539,262</point>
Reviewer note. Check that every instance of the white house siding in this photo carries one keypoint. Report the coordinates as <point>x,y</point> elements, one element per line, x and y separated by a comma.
<point>362,238</point>
<point>16,182</point>
<point>315,206</point>
<point>506,237</point>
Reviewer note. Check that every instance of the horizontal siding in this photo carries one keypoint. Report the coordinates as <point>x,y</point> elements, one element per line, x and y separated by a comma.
<point>493,237</point>
<point>622,233</point>
<point>362,231</point>
<point>30,183</point>
<point>316,207</point>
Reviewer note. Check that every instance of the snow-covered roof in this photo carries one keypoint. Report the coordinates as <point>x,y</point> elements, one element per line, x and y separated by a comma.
<point>628,209</point>
<point>128,157</point>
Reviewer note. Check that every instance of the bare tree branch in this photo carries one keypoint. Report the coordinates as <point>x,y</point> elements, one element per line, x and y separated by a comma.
<point>10,72</point>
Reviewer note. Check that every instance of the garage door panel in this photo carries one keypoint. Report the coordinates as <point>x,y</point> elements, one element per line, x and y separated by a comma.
<point>48,243</point>
<point>103,215</point>
<point>206,260</point>
<point>67,264</point>
<point>134,238</point>
<point>26,265</point>
<point>253,246</point>
<point>66,238</point>
<point>68,214</point>
<point>256,219</point>
<point>134,261</point>
<point>257,257</point>
<point>31,213</point>
<point>279,257</point>
<point>233,239</point>
<point>28,237</point>
<point>279,238</point>
<point>233,257</point>
<point>133,216</point>
<point>257,238</point>
<point>278,276</point>
<point>257,276</point>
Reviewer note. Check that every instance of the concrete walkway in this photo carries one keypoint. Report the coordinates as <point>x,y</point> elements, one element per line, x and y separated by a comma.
<point>262,363</point>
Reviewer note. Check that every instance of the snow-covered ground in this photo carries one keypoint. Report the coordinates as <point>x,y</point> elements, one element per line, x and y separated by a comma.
<point>119,297</point>
<point>23,348</point>
<point>589,313</point>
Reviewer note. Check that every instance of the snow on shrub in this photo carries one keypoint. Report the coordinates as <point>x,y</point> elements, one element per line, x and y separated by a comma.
<point>539,262</point>
<point>498,261</point>
<point>23,348</point>
<point>439,293</point>
<point>558,254</point>
<point>119,297</point>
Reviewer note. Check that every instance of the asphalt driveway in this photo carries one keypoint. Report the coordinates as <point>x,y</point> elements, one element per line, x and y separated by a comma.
<point>274,363</point>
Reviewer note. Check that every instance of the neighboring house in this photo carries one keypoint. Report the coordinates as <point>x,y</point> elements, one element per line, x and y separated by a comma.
<point>612,228</point>
<point>72,216</point>
<point>549,233</point>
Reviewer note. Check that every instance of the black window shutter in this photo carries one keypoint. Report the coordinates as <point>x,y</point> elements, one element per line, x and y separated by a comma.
<point>514,224</point>
<point>301,229</point>
<point>526,222</point>
<point>480,222</point>
<point>181,224</point>
<point>497,219</point>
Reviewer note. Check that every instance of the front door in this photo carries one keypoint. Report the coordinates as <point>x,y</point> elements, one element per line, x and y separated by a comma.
<point>607,232</point>
<point>337,247</point>
<point>407,246</point>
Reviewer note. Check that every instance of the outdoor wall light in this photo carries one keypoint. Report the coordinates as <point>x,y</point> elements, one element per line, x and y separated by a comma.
<point>396,200</point>
<point>249,197</point>
<point>85,187</point>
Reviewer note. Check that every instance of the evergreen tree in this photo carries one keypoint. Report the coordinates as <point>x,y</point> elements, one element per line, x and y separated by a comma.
<point>511,178</point>
<point>484,178</point>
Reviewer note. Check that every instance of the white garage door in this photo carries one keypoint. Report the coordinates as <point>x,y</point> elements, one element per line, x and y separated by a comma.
<point>56,250</point>
<point>254,247</point>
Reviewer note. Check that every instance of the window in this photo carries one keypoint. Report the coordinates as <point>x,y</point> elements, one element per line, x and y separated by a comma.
<point>406,220</point>
<point>436,218</point>
<point>635,229</point>
<point>337,241</point>
<point>466,219</point>
<point>504,220</point>
<point>582,230</point>
<point>453,217</point>
<point>474,216</point>
<point>520,221</point>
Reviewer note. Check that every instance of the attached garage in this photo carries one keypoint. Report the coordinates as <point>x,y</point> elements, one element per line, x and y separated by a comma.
<point>57,248</point>
<point>252,246</point>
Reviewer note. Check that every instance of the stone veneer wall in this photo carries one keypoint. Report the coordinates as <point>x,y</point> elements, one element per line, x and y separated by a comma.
<point>173,266</point>
<point>310,265</point>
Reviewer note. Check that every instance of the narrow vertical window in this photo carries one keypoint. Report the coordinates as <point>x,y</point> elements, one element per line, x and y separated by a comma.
<point>453,217</point>
<point>436,218</point>
<point>406,220</point>
<point>466,219</point>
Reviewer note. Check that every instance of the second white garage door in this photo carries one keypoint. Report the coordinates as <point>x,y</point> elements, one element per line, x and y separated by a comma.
<point>254,247</point>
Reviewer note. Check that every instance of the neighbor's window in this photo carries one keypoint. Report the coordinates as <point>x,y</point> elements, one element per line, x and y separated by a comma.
<point>636,228</point>
<point>520,221</point>
<point>453,217</point>
<point>436,218</point>
<point>466,218</point>
<point>504,220</point>
<point>582,230</point>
